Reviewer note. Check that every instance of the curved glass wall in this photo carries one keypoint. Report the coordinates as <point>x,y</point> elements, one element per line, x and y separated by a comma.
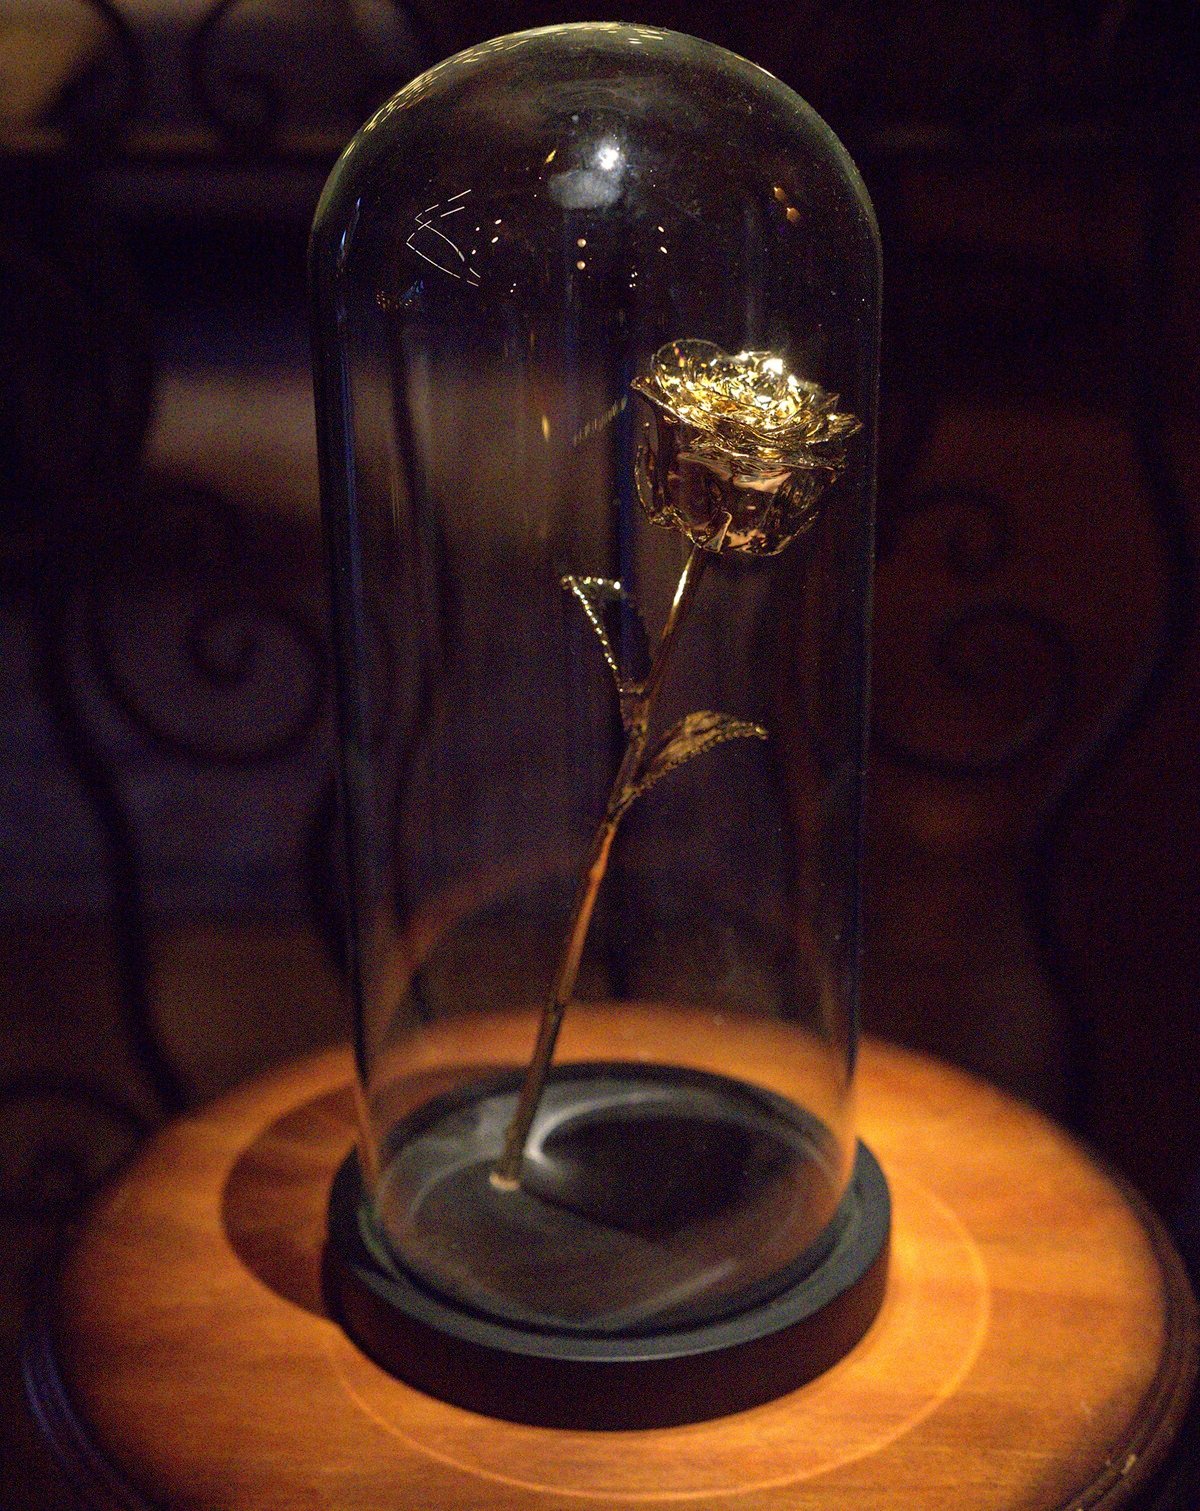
<point>596,316</point>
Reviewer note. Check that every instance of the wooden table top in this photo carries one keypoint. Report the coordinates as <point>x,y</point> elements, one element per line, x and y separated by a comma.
<point>1036,1349</point>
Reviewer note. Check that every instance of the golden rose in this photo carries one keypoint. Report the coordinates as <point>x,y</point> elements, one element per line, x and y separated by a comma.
<point>744,448</point>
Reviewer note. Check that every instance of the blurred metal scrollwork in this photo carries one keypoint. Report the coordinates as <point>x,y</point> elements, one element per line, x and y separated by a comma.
<point>204,660</point>
<point>329,64</point>
<point>61,1137</point>
<point>1152,341</point>
<point>992,648</point>
<point>985,679</point>
<point>981,643</point>
<point>161,627</point>
<point>105,95</point>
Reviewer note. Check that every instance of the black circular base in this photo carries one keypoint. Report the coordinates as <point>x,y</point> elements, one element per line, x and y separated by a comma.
<point>652,1199</point>
<point>573,1379</point>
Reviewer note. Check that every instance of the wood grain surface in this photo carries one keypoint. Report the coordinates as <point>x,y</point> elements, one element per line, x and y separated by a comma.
<point>1036,1349</point>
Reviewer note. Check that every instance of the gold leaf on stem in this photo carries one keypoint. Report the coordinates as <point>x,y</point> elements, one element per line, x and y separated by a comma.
<point>692,736</point>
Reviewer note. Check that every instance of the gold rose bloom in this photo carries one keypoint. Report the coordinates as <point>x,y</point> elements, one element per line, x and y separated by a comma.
<point>744,447</point>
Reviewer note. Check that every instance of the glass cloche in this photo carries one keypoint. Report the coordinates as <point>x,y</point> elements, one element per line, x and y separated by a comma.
<point>595,329</point>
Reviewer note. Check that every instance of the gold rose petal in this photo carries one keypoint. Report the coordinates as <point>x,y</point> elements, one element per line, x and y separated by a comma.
<point>738,436</point>
<point>749,401</point>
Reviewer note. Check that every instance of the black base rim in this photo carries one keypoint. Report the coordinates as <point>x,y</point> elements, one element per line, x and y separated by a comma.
<point>575,1380</point>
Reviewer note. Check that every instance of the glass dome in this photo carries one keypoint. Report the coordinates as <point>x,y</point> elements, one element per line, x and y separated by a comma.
<point>595,334</point>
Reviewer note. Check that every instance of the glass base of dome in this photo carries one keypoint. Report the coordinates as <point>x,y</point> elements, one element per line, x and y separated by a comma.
<point>644,1274</point>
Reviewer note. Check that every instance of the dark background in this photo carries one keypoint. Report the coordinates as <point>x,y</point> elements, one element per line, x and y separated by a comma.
<point>165,738</point>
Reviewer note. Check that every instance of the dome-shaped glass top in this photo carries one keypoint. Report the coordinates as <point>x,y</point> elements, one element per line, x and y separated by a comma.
<point>596,314</point>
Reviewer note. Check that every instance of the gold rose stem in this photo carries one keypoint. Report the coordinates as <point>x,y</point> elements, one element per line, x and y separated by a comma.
<point>506,1176</point>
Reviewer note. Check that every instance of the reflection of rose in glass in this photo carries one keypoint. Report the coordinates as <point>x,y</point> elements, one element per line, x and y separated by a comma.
<point>744,447</point>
